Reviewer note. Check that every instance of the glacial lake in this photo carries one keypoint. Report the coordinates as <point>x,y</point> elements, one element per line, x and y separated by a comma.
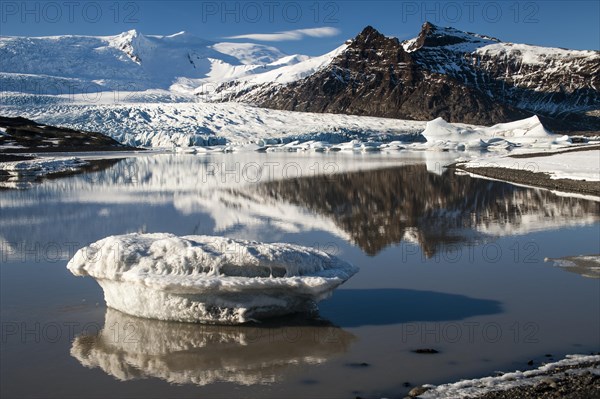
<point>447,262</point>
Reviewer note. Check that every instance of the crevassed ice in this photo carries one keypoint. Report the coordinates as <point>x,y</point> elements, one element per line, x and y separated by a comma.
<point>208,279</point>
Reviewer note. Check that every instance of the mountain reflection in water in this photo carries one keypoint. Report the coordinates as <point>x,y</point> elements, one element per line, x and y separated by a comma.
<point>378,208</point>
<point>368,203</point>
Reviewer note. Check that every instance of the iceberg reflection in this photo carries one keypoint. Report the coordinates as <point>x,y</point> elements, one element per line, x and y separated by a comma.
<point>130,348</point>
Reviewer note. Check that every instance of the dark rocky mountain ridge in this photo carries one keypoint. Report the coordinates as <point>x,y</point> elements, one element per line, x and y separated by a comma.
<point>443,72</point>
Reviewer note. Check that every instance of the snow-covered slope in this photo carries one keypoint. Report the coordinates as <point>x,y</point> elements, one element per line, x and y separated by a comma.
<point>291,72</point>
<point>148,90</point>
<point>125,62</point>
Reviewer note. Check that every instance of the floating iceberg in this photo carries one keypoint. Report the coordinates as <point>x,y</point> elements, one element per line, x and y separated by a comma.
<point>208,279</point>
<point>130,348</point>
<point>585,265</point>
<point>525,132</point>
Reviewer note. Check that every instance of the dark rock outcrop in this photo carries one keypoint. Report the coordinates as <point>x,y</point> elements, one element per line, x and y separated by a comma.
<point>24,135</point>
<point>445,73</point>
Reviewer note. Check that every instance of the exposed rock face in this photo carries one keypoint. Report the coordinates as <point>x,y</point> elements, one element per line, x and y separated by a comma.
<point>22,135</point>
<point>459,76</point>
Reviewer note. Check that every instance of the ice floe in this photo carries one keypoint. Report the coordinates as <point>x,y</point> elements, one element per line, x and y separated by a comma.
<point>21,174</point>
<point>208,279</point>
<point>42,166</point>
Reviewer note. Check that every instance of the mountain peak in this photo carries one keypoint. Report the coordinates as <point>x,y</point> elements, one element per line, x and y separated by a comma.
<point>368,34</point>
<point>369,30</point>
<point>130,34</point>
<point>436,36</point>
<point>371,37</point>
<point>129,43</point>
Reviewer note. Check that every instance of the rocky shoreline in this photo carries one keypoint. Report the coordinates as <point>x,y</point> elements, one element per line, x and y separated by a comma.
<point>575,377</point>
<point>536,179</point>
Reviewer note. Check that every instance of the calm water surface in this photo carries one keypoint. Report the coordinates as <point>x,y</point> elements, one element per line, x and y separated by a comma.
<point>447,262</point>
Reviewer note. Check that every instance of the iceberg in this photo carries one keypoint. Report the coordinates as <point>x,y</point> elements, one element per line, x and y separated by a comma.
<point>526,132</point>
<point>208,279</point>
<point>584,265</point>
<point>130,348</point>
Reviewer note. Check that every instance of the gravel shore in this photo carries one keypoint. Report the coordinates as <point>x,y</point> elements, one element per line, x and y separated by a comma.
<point>539,179</point>
<point>536,179</point>
<point>575,377</point>
<point>563,382</point>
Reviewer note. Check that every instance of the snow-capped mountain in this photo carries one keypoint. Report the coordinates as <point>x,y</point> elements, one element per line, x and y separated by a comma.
<point>130,61</point>
<point>443,72</point>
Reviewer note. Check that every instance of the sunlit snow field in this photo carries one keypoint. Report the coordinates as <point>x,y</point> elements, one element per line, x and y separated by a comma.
<point>447,262</point>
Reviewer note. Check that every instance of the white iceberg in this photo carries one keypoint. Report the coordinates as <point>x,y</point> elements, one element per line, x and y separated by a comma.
<point>526,132</point>
<point>208,279</point>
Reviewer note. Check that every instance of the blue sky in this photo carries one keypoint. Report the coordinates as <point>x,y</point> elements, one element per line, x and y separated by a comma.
<point>309,27</point>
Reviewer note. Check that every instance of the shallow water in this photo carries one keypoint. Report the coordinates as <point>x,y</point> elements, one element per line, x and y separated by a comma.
<point>448,262</point>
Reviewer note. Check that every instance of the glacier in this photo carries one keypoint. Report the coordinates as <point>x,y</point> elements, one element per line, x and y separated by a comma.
<point>168,125</point>
<point>233,126</point>
<point>208,279</point>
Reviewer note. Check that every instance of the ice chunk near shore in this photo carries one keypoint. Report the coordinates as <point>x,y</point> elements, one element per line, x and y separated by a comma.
<point>42,166</point>
<point>208,279</point>
<point>525,132</point>
<point>184,353</point>
<point>585,265</point>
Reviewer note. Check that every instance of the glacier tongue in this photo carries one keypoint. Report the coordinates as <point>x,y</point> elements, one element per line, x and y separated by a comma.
<point>201,124</point>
